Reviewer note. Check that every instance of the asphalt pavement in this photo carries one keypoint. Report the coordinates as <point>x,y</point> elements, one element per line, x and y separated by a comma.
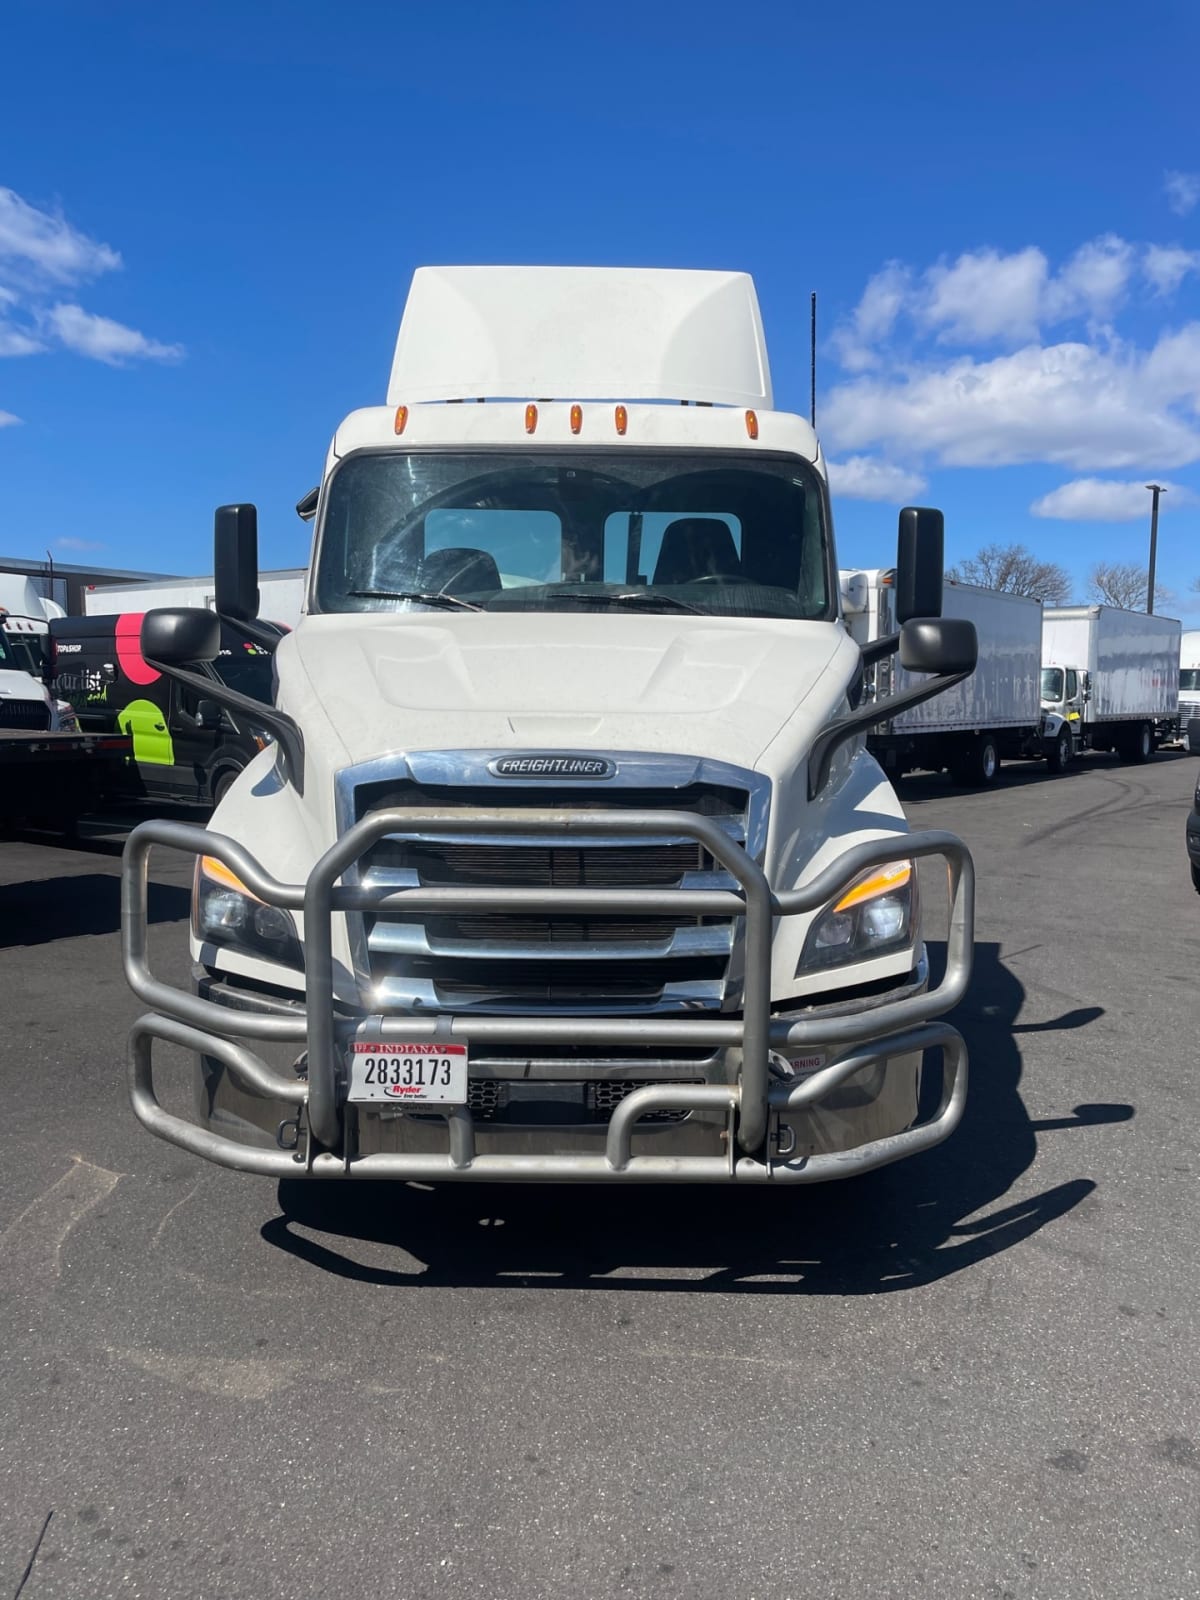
<point>974,1374</point>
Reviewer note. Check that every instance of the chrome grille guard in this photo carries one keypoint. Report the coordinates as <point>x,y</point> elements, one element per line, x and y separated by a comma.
<point>892,1028</point>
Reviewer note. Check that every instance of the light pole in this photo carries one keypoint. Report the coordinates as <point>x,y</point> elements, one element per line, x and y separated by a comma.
<point>1155,489</point>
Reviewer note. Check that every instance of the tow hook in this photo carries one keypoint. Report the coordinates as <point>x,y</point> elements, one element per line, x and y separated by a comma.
<point>287,1134</point>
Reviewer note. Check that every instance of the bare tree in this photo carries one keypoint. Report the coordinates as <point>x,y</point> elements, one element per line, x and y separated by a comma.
<point>1016,570</point>
<point>1123,583</point>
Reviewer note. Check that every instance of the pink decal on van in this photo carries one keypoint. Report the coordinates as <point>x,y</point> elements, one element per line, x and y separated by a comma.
<point>129,649</point>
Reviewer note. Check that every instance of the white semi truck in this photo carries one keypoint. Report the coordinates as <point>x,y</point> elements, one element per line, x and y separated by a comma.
<point>996,714</point>
<point>1189,690</point>
<point>1114,675</point>
<point>567,861</point>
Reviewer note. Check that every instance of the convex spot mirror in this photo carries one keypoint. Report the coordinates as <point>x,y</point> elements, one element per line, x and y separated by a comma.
<point>920,551</point>
<point>179,636</point>
<point>944,645</point>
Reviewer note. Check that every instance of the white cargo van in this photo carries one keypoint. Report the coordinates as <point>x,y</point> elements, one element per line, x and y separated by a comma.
<point>567,862</point>
<point>1114,675</point>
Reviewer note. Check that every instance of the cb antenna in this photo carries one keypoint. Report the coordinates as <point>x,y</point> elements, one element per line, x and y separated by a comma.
<point>812,363</point>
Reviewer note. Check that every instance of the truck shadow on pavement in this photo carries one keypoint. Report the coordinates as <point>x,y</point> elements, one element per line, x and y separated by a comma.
<point>42,910</point>
<point>899,1228</point>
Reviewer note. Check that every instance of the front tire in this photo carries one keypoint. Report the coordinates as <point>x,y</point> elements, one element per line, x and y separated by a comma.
<point>1058,753</point>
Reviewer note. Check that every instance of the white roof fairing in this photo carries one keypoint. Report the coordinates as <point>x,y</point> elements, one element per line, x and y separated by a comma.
<point>580,333</point>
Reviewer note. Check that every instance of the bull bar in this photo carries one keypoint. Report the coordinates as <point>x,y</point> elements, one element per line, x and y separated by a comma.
<point>889,1029</point>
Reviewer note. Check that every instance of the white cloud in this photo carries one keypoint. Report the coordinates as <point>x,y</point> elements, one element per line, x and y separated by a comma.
<point>1104,500</point>
<point>41,254</point>
<point>874,316</point>
<point>1182,190</point>
<point>16,341</point>
<point>989,296</point>
<point>105,340</point>
<point>1166,266</point>
<point>984,296</point>
<point>7,420</point>
<point>869,478</point>
<point>69,543</point>
<point>46,242</point>
<point>1071,404</point>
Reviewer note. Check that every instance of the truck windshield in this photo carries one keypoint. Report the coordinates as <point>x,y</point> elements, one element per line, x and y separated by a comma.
<point>1189,678</point>
<point>1052,683</point>
<point>727,535</point>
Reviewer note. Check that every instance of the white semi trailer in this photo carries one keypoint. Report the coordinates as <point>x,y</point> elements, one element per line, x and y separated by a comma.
<point>994,715</point>
<point>1114,675</point>
<point>281,595</point>
<point>568,862</point>
<point>1189,690</point>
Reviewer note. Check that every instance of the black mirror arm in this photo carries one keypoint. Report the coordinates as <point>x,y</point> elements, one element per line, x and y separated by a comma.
<point>856,722</point>
<point>291,740</point>
<point>878,648</point>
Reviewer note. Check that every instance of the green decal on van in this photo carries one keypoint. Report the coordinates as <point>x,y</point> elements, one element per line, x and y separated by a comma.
<point>152,743</point>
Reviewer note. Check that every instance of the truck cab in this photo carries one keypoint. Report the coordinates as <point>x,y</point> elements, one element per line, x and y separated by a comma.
<point>567,861</point>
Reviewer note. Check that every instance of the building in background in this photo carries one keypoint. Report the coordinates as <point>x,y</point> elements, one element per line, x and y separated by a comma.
<point>66,584</point>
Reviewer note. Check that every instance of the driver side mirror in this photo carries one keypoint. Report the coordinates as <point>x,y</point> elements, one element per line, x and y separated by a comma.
<point>920,554</point>
<point>944,645</point>
<point>209,716</point>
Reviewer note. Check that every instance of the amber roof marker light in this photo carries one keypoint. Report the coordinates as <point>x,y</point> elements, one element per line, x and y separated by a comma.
<point>530,418</point>
<point>576,418</point>
<point>752,424</point>
<point>401,418</point>
<point>621,416</point>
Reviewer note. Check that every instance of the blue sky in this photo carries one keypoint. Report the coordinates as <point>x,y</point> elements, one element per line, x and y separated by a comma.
<point>211,215</point>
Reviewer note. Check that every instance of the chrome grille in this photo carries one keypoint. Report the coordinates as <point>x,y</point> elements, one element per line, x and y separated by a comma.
<point>500,963</point>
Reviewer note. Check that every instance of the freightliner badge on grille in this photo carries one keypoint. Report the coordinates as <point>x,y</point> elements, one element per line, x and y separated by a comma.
<point>534,765</point>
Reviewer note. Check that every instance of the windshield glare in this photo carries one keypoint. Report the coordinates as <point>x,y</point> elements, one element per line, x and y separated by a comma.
<point>730,535</point>
<point>1052,683</point>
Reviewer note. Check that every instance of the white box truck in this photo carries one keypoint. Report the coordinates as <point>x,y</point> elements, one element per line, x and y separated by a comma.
<point>1189,690</point>
<point>567,862</point>
<point>994,715</point>
<point>1114,675</point>
<point>281,595</point>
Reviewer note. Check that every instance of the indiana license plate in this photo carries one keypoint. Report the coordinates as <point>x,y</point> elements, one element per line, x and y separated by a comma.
<point>429,1073</point>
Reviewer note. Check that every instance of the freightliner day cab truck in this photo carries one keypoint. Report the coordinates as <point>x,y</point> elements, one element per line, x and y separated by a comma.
<point>996,714</point>
<point>1114,675</point>
<point>567,861</point>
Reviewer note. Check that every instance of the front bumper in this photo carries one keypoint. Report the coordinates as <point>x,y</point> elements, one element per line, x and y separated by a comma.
<point>758,1110</point>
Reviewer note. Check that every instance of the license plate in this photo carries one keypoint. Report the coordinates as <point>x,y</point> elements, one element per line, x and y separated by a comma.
<point>422,1074</point>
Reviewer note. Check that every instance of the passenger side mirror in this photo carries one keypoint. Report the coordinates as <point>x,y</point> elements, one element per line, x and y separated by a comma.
<point>179,636</point>
<point>944,645</point>
<point>235,562</point>
<point>920,554</point>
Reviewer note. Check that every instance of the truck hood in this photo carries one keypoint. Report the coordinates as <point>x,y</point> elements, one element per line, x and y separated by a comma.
<point>711,686</point>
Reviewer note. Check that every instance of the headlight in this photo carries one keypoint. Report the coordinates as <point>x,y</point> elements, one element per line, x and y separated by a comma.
<point>877,914</point>
<point>225,913</point>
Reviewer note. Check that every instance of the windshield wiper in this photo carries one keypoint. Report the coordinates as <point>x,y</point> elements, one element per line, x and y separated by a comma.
<point>634,597</point>
<point>448,602</point>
